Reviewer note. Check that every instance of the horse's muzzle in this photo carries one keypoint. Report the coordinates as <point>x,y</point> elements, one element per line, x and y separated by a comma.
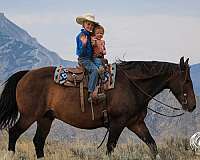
<point>190,109</point>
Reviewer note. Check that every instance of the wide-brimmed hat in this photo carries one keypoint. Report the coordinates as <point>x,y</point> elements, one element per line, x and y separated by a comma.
<point>86,17</point>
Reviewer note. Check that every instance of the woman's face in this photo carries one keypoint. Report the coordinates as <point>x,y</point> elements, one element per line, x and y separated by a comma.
<point>88,26</point>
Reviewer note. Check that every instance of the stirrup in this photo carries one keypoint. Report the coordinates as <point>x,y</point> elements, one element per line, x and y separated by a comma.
<point>100,96</point>
<point>90,99</point>
<point>105,118</point>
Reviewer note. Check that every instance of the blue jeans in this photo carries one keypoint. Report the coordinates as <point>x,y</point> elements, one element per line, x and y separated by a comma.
<point>93,72</point>
<point>97,62</point>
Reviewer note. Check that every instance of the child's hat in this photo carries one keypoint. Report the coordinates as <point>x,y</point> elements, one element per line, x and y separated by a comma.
<point>86,17</point>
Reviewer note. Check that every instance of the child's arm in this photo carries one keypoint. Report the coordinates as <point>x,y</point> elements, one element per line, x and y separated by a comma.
<point>104,48</point>
<point>93,41</point>
<point>83,39</point>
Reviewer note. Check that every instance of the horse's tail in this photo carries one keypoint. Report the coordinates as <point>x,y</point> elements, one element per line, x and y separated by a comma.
<point>8,104</point>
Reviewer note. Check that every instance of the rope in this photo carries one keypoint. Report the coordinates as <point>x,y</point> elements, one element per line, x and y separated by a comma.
<point>103,139</point>
<point>165,114</point>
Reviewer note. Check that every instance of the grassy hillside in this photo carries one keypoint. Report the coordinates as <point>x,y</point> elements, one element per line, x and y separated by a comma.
<point>171,149</point>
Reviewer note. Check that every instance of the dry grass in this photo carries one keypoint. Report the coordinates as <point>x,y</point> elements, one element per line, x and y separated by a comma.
<point>171,149</point>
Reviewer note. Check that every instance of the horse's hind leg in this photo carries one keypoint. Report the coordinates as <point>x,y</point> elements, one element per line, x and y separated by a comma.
<point>43,128</point>
<point>141,130</point>
<point>14,133</point>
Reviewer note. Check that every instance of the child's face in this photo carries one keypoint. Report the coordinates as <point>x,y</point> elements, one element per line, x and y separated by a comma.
<point>99,33</point>
<point>88,26</point>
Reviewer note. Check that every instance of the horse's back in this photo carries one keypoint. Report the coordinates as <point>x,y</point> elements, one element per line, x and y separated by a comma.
<point>32,89</point>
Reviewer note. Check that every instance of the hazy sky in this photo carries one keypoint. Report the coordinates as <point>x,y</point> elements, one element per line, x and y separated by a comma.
<point>134,30</point>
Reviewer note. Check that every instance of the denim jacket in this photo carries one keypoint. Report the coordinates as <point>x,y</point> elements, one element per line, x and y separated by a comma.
<point>81,51</point>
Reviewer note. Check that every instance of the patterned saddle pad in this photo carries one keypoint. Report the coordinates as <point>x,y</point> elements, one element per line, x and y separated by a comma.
<point>73,76</point>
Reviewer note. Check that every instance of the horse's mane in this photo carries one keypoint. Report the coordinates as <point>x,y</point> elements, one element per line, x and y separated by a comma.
<point>147,69</point>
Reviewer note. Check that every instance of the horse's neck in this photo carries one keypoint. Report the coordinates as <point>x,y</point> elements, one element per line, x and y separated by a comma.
<point>154,76</point>
<point>154,85</point>
<point>151,86</point>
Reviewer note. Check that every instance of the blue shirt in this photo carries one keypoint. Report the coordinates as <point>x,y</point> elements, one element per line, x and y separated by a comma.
<point>81,51</point>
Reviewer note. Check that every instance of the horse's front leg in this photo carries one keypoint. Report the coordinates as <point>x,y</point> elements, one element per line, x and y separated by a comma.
<point>116,128</point>
<point>141,130</point>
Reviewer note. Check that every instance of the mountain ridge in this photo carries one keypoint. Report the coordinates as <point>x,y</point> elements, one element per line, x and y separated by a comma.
<point>19,50</point>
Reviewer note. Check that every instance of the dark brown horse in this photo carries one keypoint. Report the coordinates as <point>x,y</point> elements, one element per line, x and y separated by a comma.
<point>37,97</point>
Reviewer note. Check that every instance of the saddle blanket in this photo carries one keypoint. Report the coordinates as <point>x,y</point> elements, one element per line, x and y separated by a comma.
<point>62,76</point>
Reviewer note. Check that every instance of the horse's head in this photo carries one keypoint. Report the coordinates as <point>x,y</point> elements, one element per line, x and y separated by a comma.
<point>181,86</point>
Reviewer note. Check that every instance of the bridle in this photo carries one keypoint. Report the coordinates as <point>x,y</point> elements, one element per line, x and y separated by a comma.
<point>185,102</point>
<point>184,95</point>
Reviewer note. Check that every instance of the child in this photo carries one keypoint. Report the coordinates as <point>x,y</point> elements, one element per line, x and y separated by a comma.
<point>99,49</point>
<point>84,51</point>
<point>98,43</point>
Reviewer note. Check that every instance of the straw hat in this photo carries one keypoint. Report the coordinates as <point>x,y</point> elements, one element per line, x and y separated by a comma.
<point>86,17</point>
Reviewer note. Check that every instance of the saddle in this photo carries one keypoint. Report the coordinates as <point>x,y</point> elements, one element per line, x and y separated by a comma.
<point>75,75</point>
<point>69,76</point>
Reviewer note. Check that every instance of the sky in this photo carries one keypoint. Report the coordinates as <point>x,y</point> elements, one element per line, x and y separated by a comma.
<point>134,29</point>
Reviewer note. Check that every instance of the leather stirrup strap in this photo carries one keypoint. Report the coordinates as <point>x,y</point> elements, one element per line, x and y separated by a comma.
<point>92,109</point>
<point>82,97</point>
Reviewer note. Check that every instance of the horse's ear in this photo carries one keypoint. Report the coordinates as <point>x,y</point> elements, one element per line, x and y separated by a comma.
<point>186,62</point>
<point>182,63</point>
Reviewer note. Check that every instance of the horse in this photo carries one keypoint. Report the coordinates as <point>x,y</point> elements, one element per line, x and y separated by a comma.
<point>39,99</point>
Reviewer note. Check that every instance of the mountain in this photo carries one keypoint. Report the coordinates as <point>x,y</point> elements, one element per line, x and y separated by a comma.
<point>195,75</point>
<point>18,50</point>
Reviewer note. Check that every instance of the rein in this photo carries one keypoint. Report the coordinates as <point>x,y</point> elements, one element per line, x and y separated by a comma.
<point>148,95</point>
<point>165,114</point>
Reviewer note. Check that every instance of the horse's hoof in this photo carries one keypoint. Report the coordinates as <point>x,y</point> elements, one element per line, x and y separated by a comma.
<point>108,153</point>
<point>9,155</point>
<point>158,157</point>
